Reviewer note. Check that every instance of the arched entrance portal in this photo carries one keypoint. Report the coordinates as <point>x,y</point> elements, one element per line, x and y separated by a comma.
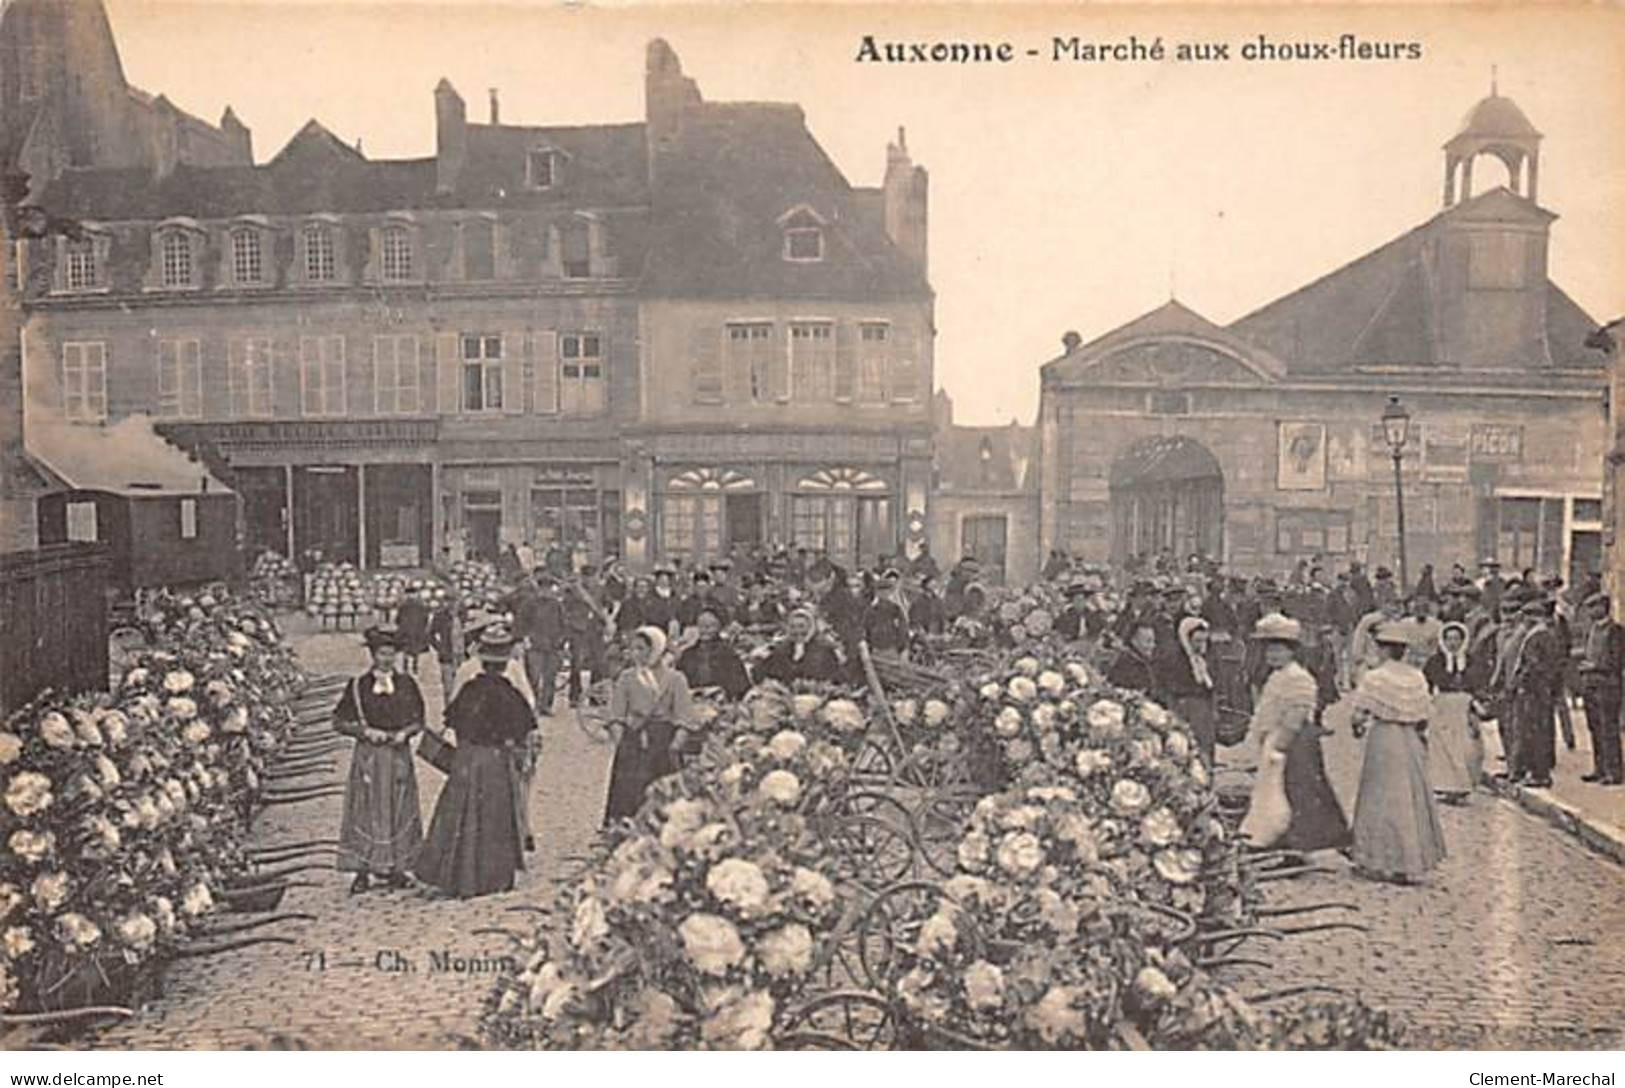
<point>1167,495</point>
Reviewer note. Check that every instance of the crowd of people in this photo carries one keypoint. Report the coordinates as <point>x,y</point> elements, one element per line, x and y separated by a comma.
<point>1423,668</point>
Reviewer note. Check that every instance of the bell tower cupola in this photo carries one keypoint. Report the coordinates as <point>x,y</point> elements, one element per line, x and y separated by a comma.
<point>1495,126</point>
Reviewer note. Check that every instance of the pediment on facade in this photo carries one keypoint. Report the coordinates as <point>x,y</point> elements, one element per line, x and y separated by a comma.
<point>1172,345</point>
<point>1176,361</point>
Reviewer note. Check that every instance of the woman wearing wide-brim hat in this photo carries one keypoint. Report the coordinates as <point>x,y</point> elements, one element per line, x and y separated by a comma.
<point>381,830</point>
<point>1293,806</point>
<point>474,841</point>
<point>1397,835</point>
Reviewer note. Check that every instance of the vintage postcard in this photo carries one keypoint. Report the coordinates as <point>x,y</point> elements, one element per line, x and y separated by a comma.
<point>538,526</point>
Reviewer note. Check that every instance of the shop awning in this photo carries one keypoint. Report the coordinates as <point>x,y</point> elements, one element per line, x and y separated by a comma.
<point>126,458</point>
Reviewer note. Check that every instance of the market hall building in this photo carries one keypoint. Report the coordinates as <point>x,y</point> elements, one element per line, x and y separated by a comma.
<point>1260,443</point>
<point>656,339</point>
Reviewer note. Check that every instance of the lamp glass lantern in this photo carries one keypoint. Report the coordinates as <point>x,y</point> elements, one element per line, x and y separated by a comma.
<point>1396,425</point>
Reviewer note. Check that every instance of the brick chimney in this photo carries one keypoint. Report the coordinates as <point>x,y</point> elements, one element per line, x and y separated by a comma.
<point>667,94</point>
<point>450,136</point>
<point>238,133</point>
<point>906,191</point>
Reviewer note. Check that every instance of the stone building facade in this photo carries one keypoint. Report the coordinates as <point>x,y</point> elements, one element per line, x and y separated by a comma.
<point>643,340</point>
<point>984,498</point>
<point>1260,443</point>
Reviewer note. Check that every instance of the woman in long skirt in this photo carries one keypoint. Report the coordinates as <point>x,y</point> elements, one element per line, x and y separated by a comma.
<point>473,847</point>
<point>381,831</point>
<point>1455,753</point>
<point>1293,806</point>
<point>649,716</point>
<point>1188,685</point>
<point>1397,836</point>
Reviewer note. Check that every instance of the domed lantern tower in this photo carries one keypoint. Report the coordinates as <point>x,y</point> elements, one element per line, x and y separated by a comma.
<point>1495,126</point>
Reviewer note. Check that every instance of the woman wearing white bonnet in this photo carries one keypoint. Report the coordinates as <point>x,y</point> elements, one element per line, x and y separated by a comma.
<point>649,715</point>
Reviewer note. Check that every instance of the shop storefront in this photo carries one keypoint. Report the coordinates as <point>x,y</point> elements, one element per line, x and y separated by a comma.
<point>706,512</point>
<point>573,507</point>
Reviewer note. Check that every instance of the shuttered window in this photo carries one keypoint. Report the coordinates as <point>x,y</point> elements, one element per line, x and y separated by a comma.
<point>395,375</point>
<point>180,379</point>
<point>812,361</point>
<point>84,382</point>
<point>321,373</point>
<point>249,377</point>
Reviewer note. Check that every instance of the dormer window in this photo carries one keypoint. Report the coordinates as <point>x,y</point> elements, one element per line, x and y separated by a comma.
<point>82,262</point>
<point>542,167</point>
<point>395,249</point>
<point>321,261</point>
<point>175,255</point>
<point>804,244</point>
<point>247,256</point>
<point>803,234</point>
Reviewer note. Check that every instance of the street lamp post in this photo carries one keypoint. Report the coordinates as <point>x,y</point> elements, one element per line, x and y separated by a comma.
<point>1396,425</point>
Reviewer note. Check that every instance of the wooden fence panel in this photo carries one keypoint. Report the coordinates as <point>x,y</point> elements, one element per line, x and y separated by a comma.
<point>53,622</point>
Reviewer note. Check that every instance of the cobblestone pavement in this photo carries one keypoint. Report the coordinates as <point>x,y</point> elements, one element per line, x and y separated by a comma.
<point>364,974</point>
<point>1512,942</point>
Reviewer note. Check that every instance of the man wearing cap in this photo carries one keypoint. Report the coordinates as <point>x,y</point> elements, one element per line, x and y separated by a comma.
<point>1536,678</point>
<point>660,609</point>
<point>708,661</point>
<point>1602,668</point>
<point>885,622</point>
<point>926,614</point>
<point>703,598</point>
<point>446,633</point>
<point>412,623</point>
<point>1490,583</point>
<point>539,624</point>
<point>587,625</point>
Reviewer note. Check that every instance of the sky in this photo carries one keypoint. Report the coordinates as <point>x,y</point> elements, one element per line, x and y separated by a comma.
<point>1065,195</point>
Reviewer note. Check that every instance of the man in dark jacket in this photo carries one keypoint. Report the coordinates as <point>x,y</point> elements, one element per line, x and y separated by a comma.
<point>538,618</point>
<point>885,622</point>
<point>926,615</point>
<point>704,598</point>
<point>587,626</point>
<point>412,623</point>
<point>1602,668</point>
<point>660,608</point>
<point>1536,672</point>
<point>709,662</point>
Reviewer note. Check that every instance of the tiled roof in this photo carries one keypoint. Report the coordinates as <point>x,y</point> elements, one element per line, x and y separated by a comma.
<point>736,168</point>
<point>1009,463</point>
<point>604,166</point>
<point>1376,310</point>
<point>317,172</point>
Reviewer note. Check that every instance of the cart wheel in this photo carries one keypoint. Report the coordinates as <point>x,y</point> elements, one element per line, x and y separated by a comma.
<point>811,1040</point>
<point>891,923</point>
<point>882,807</point>
<point>873,762</point>
<point>869,851</point>
<point>852,1020</point>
